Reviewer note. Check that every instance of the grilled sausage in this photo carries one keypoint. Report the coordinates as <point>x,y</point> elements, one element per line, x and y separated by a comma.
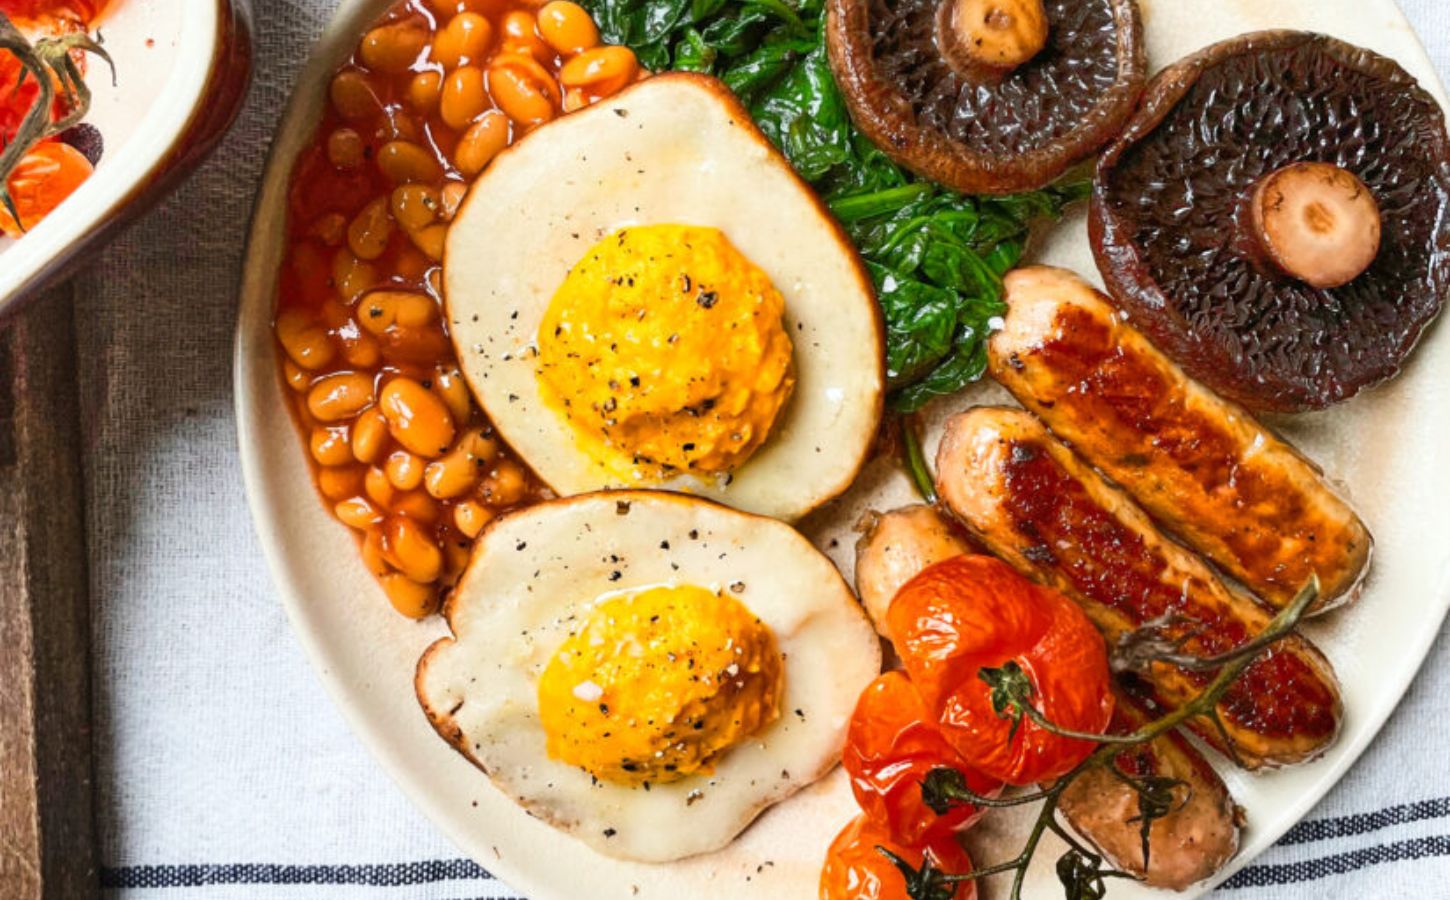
<point>1186,846</point>
<point>1200,465</point>
<point>894,546</point>
<point>1189,844</point>
<point>1023,494</point>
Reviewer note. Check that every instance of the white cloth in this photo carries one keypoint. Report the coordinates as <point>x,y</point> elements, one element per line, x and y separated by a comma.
<point>222,768</point>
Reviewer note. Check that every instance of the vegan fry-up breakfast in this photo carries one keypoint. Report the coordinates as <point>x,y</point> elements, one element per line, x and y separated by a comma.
<point>590,312</point>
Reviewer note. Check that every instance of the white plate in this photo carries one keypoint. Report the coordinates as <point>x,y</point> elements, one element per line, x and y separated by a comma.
<point>1384,446</point>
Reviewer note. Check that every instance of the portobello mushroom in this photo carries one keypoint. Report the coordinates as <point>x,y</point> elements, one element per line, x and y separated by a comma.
<point>1276,217</point>
<point>988,96</point>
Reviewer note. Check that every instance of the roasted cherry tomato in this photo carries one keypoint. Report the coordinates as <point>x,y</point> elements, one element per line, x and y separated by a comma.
<point>73,10</point>
<point>46,175</point>
<point>971,613</point>
<point>892,744</point>
<point>856,870</point>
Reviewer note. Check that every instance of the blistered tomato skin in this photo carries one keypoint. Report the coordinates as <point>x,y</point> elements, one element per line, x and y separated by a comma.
<point>892,744</point>
<point>856,869</point>
<point>974,612</point>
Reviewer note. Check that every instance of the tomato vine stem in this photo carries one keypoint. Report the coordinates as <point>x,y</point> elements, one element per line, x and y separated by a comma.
<point>1081,871</point>
<point>50,63</point>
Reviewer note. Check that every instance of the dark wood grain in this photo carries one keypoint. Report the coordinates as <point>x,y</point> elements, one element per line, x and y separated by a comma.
<point>47,833</point>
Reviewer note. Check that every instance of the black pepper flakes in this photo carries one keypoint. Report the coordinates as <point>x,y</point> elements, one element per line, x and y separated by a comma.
<point>707,299</point>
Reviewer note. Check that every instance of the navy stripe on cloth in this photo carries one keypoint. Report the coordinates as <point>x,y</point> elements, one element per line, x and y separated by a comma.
<point>1339,863</point>
<point>431,871</point>
<point>1312,830</point>
<point>384,875</point>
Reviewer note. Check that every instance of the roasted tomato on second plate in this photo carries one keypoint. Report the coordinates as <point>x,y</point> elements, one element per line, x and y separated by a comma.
<point>856,869</point>
<point>974,612</point>
<point>892,744</point>
<point>47,175</point>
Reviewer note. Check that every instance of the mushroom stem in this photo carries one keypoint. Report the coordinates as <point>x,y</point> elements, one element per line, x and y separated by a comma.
<point>990,38</point>
<point>1315,222</point>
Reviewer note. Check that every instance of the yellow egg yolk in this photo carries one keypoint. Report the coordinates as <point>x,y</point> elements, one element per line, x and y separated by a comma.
<point>666,351</point>
<point>658,684</point>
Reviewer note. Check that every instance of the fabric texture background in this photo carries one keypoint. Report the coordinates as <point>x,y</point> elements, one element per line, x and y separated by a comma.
<point>223,771</point>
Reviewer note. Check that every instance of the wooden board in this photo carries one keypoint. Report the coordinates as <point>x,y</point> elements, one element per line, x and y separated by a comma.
<point>47,847</point>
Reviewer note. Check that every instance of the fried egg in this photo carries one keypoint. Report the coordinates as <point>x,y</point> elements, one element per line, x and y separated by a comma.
<point>645,294</point>
<point>648,671</point>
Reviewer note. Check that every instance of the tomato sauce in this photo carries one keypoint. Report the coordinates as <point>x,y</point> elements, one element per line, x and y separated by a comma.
<point>399,449</point>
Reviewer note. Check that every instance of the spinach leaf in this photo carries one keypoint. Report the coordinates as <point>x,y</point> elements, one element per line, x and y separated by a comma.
<point>937,257</point>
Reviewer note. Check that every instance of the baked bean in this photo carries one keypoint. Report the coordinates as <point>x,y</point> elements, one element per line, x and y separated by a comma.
<point>423,92</point>
<point>470,516</point>
<point>464,98</point>
<point>409,597</point>
<point>372,552</point>
<point>340,482</point>
<point>393,48</point>
<point>330,446</point>
<point>454,191</point>
<point>414,205</point>
<point>449,386</point>
<point>456,553</point>
<point>418,506</point>
<point>447,8</point>
<point>353,96</point>
<point>357,512</point>
<point>404,470</point>
<point>517,87</point>
<point>462,41</point>
<point>431,240</point>
<point>409,548</point>
<point>352,276</point>
<point>305,342</point>
<point>601,71</point>
<point>417,419</point>
<point>369,435</point>
<point>345,148</point>
<point>370,230</point>
<point>340,396</point>
<point>505,485</point>
<point>566,27</point>
<point>359,349</point>
<point>379,489</point>
<point>456,473</point>
<point>379,311</point>
<point>521,35</point>
<point>296,378</point>
<point>405,161</point>
<point>575,99</point>
<point>482,141</point>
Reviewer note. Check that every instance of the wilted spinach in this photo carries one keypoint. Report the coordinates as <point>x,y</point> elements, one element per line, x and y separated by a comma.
<point>937,257</point>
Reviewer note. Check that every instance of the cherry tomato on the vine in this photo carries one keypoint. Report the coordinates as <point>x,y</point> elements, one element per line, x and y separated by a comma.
<point>971,613</point>
<point>892,744</point>
<point>856,869</point>
<point>46,175</point>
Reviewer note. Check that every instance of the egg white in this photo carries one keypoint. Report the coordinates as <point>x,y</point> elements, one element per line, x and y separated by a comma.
<point>534,578</point>
<point>674,149</point>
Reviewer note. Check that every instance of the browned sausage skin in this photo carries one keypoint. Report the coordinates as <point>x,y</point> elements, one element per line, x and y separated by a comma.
<point>1186,846</point>
<point>895,546</point>
<point>1200,465</point>
<point>1023,494</point>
